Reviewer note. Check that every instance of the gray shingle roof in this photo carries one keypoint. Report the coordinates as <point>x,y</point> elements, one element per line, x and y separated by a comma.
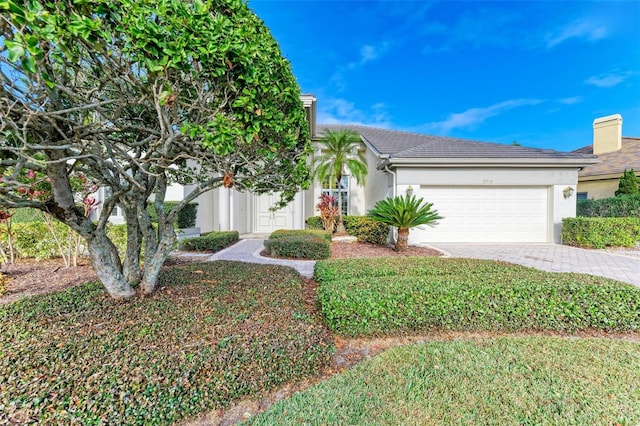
<point>626,158</point>
<point>398,144</point>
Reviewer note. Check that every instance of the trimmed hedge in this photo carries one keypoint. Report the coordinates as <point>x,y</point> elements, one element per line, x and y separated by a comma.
<point>366,229</point>
<point>283,233</point>
<point>299,247</point>
<point>210,334</point>
<point>622,206</point>
<point>214,241</point>
<point>186,217</point>
<point>314,222</point>
<point>382,297</point>
<point>601,232</point>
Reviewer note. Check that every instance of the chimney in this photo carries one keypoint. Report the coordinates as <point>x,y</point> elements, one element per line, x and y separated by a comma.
<point>607,134</point>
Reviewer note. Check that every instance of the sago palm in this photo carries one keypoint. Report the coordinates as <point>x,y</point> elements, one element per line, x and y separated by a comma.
<point>404,212</point>
<point>339,153</point>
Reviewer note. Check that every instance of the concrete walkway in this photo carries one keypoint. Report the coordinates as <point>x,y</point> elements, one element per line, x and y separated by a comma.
<point>248,250</point>
<point>554,258</point>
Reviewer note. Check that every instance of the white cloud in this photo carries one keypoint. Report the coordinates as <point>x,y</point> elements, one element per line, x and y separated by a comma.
<point>369,53</point>
<point>341,111</point>
<point>581,29</point>
<point>607,80</point>
<point>570,101</point>
<point>474,116</point>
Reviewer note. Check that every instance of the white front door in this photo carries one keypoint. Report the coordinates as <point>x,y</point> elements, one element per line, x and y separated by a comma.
<point>267,220</point>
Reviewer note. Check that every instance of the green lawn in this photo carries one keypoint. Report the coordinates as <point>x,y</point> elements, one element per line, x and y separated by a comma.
<point>212,333</point>
<point>387,297</point>
<point>506,381</point>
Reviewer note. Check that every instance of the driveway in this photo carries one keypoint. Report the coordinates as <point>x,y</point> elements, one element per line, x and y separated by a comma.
<point>554,258</point>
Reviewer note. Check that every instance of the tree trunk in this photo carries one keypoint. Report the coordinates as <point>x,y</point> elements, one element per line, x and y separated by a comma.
<point>153,263</point>
<point>403,239</point>
<point>106,263</point>
<point>131,267</point>
<point>340,228</point>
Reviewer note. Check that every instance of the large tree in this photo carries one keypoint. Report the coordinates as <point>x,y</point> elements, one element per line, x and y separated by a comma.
<point>339,154</point>
<point>133,95</point>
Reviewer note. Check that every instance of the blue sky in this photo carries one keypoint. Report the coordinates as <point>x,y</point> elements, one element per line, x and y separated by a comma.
<point>535,72</point>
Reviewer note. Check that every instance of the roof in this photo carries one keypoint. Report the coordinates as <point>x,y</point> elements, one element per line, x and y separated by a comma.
<point>616,162</point>
<point>399,146</point>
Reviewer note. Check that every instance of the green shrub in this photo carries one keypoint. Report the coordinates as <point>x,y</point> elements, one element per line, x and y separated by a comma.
<point>299,246</point>
<point>209,335</point>
<point>314,222</point>
<point>282,233</point>
<point>26,214</point>
<point>622,206</point>
<point>366,229</point>
<point>370,297</point>
<point>34,239</point>
<point>601,232</point>
<point>186,217</point>
<point>214,241</point>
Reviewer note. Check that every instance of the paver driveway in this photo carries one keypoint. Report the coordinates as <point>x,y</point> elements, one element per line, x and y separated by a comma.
<point>554,258</point>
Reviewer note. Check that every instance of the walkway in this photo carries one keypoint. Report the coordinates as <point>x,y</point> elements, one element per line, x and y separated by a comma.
<point>554,258</point>
<point>248,250</point>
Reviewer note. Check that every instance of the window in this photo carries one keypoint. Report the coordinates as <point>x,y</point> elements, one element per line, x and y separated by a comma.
<point>343,190</point>
<point>582,195</point>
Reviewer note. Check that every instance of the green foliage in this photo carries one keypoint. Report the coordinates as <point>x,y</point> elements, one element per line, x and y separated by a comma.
<point>601,232</point>
<point>504,381</point>
<point>283,233</point>
<point>314,222</point>
<point>367,230</point>
<point>212,241</point>
<point>376,297</point>
<point>26,215</point>
<point>210,335</point>
<point>118,236</point>
<point>299,247</point>
<point>186,216</point>
<point>404,211</point>
<point>340,150</point>
<point>34,239</point>
<point>629,183</point>
<point>621,206</point>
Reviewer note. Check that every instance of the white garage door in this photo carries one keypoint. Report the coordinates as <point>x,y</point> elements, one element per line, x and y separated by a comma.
<point>486,214</point>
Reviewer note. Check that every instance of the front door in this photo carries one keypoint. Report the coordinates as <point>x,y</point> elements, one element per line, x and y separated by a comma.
<point>267,220</point>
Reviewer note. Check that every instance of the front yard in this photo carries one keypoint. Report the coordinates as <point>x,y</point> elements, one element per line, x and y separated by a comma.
<point>219,332</point>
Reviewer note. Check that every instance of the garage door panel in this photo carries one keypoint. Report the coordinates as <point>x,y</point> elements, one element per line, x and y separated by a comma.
<point>482,214</point>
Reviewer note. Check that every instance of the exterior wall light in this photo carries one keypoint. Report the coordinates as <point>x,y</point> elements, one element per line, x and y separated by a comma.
<point>568,192</point>
<point>409,191</point>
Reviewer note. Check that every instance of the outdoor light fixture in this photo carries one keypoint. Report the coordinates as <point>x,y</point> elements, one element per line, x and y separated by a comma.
<point>409,191</point>
<point>568,192</point>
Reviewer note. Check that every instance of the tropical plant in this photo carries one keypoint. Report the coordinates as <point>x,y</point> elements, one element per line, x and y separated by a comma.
<point>629,183</point>
<point>329,212</point>
<point>339,153</point>
<point>135,96</point>
<point>404,212</point>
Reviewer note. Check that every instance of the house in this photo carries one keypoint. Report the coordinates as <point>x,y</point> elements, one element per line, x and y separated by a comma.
<point>487,192</point>
<point>617,154</point>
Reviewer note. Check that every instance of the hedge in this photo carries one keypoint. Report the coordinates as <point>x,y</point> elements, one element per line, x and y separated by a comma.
<point>623,206</point>
<point>214,241</point>
<point>314,222</point>
<point>283,233</point>
<point>298,246</point>
<point>601,232</point>
<point>380,297</point>
<point>367,230</point>
<point>186,217</point>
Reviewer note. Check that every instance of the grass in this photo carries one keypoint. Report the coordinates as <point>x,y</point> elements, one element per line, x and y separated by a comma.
<point>544,380</point>
<point>375,297</point>
<point>213,332</point>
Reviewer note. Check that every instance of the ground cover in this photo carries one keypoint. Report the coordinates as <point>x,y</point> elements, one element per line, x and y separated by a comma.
<point>212,333</point>
<point>535,380</point>
<point>376,297</point>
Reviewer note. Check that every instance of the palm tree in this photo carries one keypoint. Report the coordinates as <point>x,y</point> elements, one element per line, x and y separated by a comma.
<point>404,212</point>
<point>339,152</point>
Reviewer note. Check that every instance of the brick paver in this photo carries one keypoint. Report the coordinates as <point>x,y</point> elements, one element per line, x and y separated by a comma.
<point>554,258</point>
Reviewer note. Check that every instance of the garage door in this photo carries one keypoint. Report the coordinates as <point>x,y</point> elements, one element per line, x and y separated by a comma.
<point>486,214</point>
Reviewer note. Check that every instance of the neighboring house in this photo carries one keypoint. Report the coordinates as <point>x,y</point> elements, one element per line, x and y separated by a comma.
<point>487,192</point>
<point>617,154</point>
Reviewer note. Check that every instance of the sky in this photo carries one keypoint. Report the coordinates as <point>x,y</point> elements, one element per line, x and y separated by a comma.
<point>535,72</point>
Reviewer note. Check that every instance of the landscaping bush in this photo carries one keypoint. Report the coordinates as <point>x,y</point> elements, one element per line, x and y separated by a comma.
<point>212,333</point>
<point>371,297</point>
<point>300,246</point>
<point>186,217</point>
<point>314,222</point>
<point>622,206</point>
<point>214,241</point>
<point>601,232</point>
<point>366,229</point>
<point>283,233</point>
<point>34,239</point>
